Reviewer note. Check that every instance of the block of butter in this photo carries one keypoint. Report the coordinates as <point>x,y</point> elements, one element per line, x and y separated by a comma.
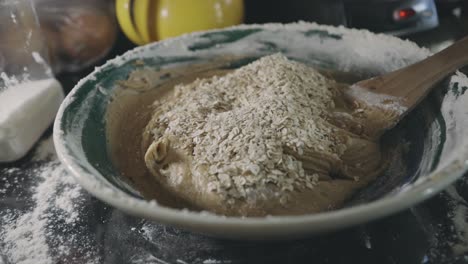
<point>26,111</point>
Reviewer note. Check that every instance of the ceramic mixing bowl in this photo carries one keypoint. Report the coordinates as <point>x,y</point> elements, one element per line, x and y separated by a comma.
<point>435,133</point>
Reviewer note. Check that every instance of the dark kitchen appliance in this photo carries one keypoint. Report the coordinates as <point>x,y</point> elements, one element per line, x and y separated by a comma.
<point>396,17</point>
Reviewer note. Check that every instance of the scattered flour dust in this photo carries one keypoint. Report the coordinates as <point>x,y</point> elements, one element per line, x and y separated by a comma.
<point>45,233</point>
<point>459,216</point>
<point>214,261</point>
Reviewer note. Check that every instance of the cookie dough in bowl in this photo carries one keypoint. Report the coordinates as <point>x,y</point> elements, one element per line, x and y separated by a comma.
<point>242,132</point>
<point>274,137</point>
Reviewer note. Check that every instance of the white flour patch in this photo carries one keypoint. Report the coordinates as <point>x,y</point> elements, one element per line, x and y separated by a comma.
<point>25,237</point>
<point>382,101</point>
<point>45,233</point>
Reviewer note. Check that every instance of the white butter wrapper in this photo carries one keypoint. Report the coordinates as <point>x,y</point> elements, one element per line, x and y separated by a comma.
<point>26,111</point>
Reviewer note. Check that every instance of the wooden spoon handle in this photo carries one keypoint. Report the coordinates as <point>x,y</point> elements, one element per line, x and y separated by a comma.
<point>414,82</point>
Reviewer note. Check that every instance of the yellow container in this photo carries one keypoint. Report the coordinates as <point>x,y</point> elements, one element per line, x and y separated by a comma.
<point>154,20</point>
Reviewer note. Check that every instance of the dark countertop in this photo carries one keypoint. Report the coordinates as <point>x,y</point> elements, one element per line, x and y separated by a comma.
<point>435,231</point>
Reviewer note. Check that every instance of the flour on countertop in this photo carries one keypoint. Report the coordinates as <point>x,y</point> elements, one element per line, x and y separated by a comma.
<point>34,236</point>
<point>215,261</point>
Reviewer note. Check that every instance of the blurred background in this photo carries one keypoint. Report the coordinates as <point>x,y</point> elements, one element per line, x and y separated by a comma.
<point>83,33</point>
<point>431,23</point>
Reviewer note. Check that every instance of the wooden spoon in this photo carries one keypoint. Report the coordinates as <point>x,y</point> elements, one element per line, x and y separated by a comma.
<point>389,97</point>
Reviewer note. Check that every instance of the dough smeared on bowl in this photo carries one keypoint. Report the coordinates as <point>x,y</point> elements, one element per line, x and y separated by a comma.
<point>273,137</point>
